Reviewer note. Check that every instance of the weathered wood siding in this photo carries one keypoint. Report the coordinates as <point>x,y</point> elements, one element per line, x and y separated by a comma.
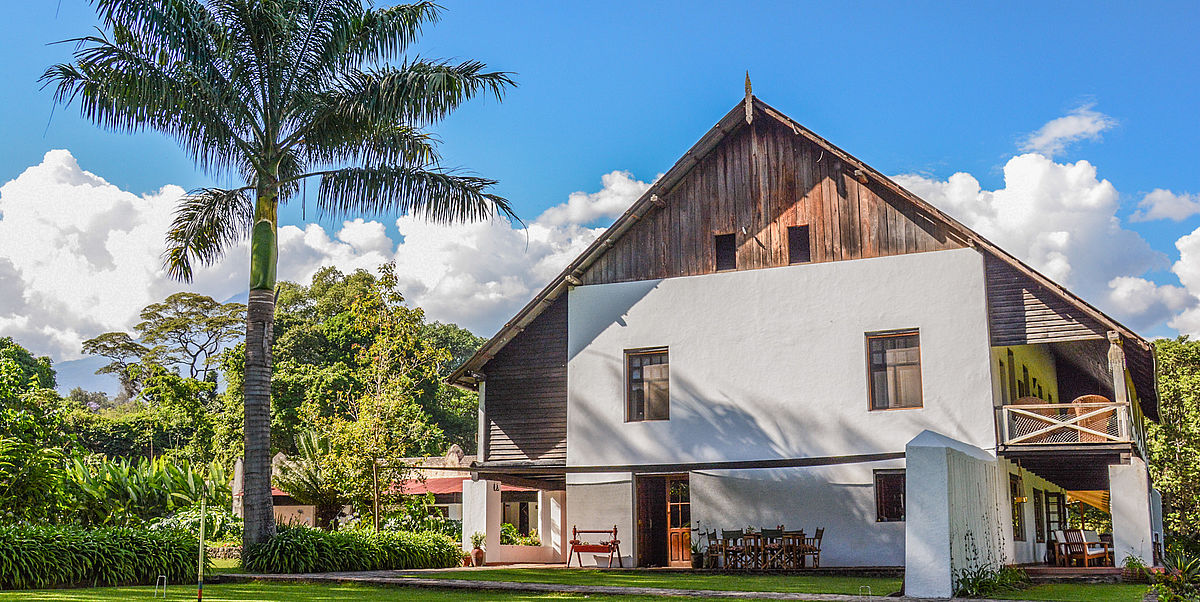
<point>765,178</point>
<point>526,393</point>
<point>1021,311</point>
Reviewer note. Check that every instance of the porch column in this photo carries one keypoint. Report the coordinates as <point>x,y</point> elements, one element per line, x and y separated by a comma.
<point>1129,500</point>
<point>482,511</point>
<point>552,515</point>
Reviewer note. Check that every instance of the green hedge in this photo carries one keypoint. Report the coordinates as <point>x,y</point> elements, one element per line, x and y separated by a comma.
<point>41,557</point>
<point>298,549</point>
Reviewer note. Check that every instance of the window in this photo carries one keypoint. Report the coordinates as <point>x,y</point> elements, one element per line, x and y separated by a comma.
<point>1003,389</point>
<point>648,374</point>
<point>1018,507</point>
<point>1056,515</point>
<point>894,370</point>
<point>1039,518</point>
<point>1012,377</point>
<point>1024,384</point>
<point>726,248</point>
<point>889,496</point>
<point>798,250</point>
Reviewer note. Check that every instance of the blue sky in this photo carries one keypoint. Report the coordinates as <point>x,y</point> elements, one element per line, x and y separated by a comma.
<point>911,88</point>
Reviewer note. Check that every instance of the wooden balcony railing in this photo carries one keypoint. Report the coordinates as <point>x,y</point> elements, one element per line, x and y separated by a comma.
<point>1066,423</point>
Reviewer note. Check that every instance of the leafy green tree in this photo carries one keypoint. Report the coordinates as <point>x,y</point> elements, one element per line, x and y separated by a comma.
<point>123,353</point>
<point>1174,443</point>
<point>279,92</point>
<point>190,329</point>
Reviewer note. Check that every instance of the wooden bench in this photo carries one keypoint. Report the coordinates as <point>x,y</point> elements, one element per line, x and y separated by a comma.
<point>610,546</point>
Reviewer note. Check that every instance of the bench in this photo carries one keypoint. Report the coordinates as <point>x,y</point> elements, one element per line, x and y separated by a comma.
<point>610,546</point>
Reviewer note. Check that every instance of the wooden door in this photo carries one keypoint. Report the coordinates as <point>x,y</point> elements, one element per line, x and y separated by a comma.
<point>651,511</point>
<point>679,520</point>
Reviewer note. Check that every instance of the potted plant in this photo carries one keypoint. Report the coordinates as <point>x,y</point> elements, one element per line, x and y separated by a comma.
<point>1133,569</point>
<point>477,555</point>
<point>466,559</point>
<point>698,552</point>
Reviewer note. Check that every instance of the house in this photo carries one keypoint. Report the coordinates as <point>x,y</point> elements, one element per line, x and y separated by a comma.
<point>776,333</point>
<point>442,476</point>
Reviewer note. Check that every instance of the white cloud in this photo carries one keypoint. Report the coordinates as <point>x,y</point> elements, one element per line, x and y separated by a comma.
<point>584,208</point>
<point>1083,123</point>
<point>1058,217</point>
<point>79,256</point>
<point>1164,204</point>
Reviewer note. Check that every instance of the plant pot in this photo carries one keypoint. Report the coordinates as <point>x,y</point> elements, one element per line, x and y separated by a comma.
<point>1130,575</point>
<point>478,557</point>
<point>466,560</point>
<point>697,561</point>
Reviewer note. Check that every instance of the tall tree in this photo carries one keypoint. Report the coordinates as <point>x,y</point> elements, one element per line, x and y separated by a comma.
<point>190,329</point>
<point>1174,442</point>
<point>278,92</point>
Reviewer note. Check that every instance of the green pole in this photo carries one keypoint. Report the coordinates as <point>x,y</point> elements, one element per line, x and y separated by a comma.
<point>200,562</point>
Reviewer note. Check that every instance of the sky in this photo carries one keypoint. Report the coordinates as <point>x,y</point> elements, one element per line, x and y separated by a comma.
<point>1066,133</point>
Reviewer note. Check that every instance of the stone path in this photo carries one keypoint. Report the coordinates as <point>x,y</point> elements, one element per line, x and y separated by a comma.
<point>399,578</point>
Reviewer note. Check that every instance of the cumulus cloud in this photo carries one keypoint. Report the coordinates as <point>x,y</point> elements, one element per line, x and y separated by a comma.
<point>587,207</point>
<point>79,256</point>
<point>1058,217</point>
<point>1083,123</point>
<point>1164,204</point>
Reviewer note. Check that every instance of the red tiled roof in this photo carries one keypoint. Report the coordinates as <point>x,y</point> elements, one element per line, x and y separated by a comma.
<point>443,485</point>
<point>275,491</point>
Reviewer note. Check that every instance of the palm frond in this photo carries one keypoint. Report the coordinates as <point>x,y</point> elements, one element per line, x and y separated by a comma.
<point>436,195</point>
<point>416,92</point>
<point>207,222</point>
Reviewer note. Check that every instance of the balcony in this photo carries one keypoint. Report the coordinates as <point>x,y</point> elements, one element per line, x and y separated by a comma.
<point>1068,424</point>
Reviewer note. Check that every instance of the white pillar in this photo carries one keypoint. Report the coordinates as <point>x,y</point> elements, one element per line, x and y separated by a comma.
<point>552,515</point>
<point>927,572</point>
<point>1129,500</point>
<point>481,510</point>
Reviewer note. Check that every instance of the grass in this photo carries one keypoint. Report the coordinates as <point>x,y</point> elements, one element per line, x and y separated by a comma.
<point>278,592</point>
<point>1080,592</point>
<point>807,584</point>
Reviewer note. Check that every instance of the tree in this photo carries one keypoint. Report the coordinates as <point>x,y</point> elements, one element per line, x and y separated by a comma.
<point>123,353</point>
<point>279,92</point>
<point>1174,442</point>
<point>190,329</point>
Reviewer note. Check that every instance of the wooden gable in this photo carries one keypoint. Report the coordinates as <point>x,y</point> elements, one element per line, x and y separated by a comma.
<point>754,184</point>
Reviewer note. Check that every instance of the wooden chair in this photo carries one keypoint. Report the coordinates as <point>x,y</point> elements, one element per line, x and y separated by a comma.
<point>733,549</point>
<point>610,546</point>
<point>1078,549</point>
<point>1095,540</point>
<point>812,547</point>
<point>712,553</point>
<point>774,549</point>
<point>1056,547</point>
<point>794,541</point>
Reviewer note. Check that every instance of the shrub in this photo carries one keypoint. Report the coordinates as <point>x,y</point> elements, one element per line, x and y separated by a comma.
<point>299,549</point>
<point>219,523</point>
<point>1180,581</point>
<point>984,581</point>
<point>40,556</point>
<point>510,536</point>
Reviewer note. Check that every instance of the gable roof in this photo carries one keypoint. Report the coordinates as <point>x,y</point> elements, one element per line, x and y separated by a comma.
<point>740,116</point>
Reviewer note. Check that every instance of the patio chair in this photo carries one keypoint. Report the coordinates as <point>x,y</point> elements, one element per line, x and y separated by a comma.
<point>1078,549</point>
<point>774,549</point>
<point>712,553</point>
<point>734,552</point>
<point>1095,541</point>
<point>1056,548</point>
<point>812,547</point>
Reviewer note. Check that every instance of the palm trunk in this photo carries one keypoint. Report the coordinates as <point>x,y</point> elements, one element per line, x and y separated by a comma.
<point>259,512</point>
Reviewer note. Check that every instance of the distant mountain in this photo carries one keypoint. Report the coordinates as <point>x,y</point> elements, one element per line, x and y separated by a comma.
<point>82,373</point>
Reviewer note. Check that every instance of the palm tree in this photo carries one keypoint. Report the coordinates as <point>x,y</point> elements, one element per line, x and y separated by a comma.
<point>278,92</point>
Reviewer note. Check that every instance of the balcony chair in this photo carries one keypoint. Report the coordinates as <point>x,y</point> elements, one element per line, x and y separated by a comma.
<point>1077,548</point>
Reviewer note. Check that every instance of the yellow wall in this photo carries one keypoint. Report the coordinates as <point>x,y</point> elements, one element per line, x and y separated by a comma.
<point>1039,361</point>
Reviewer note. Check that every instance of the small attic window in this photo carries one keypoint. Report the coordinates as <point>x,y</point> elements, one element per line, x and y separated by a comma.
<point>726,250</point>
<point>798,249</point>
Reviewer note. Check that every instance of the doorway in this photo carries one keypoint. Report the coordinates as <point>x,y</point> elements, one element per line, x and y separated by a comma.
<point>664,516</point>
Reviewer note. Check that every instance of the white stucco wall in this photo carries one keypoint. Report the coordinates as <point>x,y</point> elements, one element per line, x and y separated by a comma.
<point>840,499</point>
<point>771,363</point>
<point>1132,513</point>
<point>600,501</point>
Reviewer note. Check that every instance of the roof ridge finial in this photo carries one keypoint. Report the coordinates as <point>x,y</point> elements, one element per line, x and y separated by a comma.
<point>749,99</point>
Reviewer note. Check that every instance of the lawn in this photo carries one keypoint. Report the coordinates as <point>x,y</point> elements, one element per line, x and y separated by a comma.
<point>1082,592</point>
<point>807,584</point>
<point>279,592</point>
